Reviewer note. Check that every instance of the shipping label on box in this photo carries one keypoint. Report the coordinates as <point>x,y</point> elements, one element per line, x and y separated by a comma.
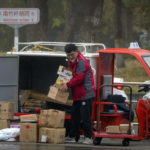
<point>6,110</point>
<point>63,71</point>
<point>112,129</point>
<point>55,118</point>
<point>28,132</point>
<point>58,95</point>
<point>29,118</point>
<point>4,123</point>
<point>52,135</point>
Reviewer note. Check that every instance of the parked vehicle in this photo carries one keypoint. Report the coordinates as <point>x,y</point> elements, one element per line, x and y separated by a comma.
<point>116,116</point>
<point>34,67</point>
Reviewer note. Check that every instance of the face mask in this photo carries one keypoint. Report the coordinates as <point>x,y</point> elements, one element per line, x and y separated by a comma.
<point>72,60</point>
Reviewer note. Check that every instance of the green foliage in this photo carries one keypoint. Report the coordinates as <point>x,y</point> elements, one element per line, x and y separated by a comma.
<point>6,37</point>
<point>108,18</point>
<point>18,3</point>
<point>56,13</point>
<point>57,22</point>
<point>141,9</point>
<point>107,28</point>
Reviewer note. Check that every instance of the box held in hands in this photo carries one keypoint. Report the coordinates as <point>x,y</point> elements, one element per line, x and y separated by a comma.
<point>58,95</point>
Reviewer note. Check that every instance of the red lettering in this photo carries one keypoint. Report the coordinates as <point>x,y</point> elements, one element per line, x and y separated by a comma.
<point>5,13</point>
<point>16,13</point>
<point>10,13</point>
<point>24,13</point>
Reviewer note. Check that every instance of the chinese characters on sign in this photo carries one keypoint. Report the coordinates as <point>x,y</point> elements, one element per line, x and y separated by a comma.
<point>19,15</point>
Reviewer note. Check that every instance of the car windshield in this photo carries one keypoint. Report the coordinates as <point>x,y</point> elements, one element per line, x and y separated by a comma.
<point>147,60</point>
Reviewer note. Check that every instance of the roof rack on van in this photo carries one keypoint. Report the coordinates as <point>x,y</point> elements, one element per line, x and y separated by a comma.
<point>59,46</point>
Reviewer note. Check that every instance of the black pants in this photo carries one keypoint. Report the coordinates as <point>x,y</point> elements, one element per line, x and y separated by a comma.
<point>81,114</point>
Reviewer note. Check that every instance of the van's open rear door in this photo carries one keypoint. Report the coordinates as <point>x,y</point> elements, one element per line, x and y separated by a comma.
<point>9,79</point>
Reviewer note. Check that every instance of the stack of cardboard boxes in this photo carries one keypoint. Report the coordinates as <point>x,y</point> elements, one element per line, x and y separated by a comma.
<point>51,124</point>
<point>6,114</point>
<point>28,128</point>
<point>55,92</point>
<point>49,130</point>
<point>29,103</point>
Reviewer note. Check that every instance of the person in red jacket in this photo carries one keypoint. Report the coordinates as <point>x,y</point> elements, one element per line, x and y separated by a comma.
<point>83,93</point>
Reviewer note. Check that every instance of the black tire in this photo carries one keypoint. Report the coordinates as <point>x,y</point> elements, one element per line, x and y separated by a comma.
<point>125,142</point>
<point>97,141</point>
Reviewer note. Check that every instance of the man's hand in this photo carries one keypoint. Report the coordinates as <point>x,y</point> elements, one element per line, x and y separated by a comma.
<point>64,88</point>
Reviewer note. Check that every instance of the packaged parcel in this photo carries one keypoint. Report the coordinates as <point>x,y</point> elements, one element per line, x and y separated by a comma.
<point>52,135</point>
<point>64,72</point>
<point>59,96</point>
<point>52,118</point>
<point>28,132</point>
<point>6,110</point>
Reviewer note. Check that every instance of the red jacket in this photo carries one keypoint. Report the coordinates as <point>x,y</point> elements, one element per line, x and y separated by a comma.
<point>82,83</point>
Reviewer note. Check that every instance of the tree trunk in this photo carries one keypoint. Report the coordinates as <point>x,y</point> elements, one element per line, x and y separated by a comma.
<point>119,33</point>
<point>91,19</point>
<point>82,27</point>
<point>128,26</point>
<point>69,22</point>
<point>38,32</point>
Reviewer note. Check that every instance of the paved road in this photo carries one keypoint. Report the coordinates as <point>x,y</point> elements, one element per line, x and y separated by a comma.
<point>107,144</point>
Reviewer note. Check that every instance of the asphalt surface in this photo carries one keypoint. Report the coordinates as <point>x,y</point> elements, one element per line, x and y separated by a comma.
<point>107,144</point>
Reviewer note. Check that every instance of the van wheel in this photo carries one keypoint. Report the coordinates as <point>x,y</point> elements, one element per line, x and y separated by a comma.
<point>97,141</point>
<point>125,142</point>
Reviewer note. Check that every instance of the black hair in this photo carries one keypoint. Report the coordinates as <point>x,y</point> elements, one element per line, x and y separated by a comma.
<point>70,47</point>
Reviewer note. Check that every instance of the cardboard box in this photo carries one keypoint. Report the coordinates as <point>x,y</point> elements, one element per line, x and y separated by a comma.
<point>55,118</point>
<point>29,118</point>
<point>58,95</point>
<point>6,110</point>
<point>28,132</point>
<point>124,128</point>
<point>65,72</point>
<point>61,80</point>
<point>4,123</point>
<point>52,135</point>
<point>43,118</point>
<point>24,96</point>
<point>112,129</point>
<point>52,118</point>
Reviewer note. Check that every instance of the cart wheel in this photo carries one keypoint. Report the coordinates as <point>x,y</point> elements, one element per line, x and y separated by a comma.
<point>125,142</point>
<point>97,141</point>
